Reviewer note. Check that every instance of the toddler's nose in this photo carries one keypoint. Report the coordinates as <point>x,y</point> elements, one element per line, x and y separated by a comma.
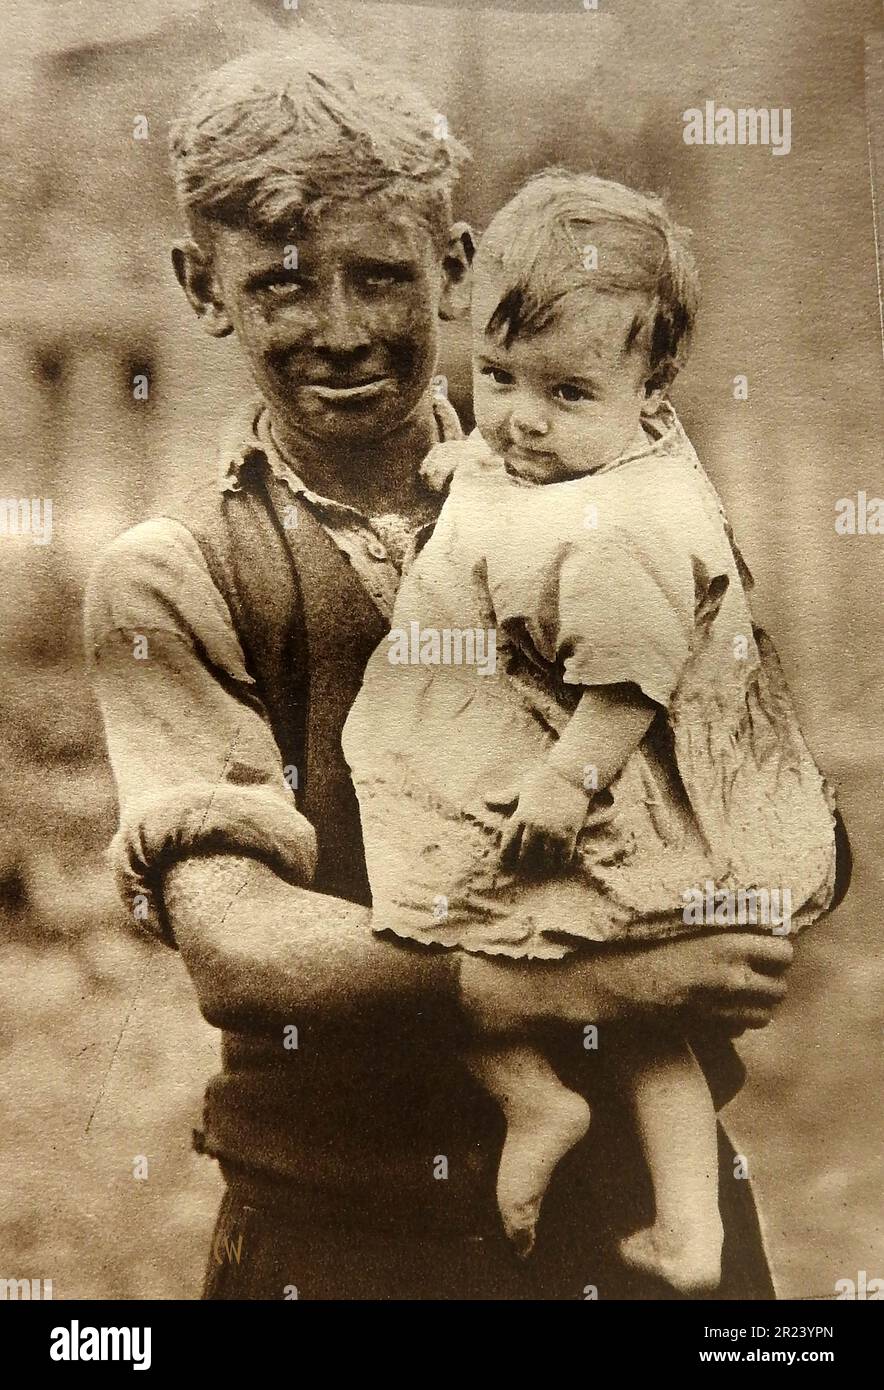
<point>527,418</point>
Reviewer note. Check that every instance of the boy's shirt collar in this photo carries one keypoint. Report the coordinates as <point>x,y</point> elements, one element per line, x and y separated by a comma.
<point>380,548</point>
<point>249,436</point>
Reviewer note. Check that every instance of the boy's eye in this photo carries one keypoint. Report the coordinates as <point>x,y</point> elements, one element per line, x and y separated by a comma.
<point>384,277</point>
<point>282,286</point>
<point>567,391</point>
<point>497,375</point>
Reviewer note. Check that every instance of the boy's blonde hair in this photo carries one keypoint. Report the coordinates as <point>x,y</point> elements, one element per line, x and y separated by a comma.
<point>564,232</point>
<point>270,139</point>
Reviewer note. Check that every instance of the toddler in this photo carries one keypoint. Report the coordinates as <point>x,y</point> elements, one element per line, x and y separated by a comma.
<point>573,728</point>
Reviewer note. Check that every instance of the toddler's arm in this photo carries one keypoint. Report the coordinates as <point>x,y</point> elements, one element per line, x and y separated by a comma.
<point>607,726</point>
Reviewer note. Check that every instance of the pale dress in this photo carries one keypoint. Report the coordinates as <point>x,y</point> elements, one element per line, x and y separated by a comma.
<point>625,575</point>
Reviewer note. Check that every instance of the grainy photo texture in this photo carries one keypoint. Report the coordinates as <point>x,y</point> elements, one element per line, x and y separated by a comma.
<point>441,544</point>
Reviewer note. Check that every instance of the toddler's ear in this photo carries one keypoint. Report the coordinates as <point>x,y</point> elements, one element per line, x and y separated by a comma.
<point>454,302</point>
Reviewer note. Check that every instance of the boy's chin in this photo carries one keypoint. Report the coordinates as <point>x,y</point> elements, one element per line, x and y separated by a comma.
<point>355,421</point>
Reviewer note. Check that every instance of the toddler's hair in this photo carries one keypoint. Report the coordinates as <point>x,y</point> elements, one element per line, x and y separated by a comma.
<point>546,241</point>
<point>272,138</point>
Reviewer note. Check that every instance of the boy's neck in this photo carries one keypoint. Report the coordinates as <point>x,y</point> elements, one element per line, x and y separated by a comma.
<point>374,476</point>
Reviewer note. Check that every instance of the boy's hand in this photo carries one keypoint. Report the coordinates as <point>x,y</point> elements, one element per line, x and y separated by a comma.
<point>725,980</point>
<point>542,831</point>
<point>440,463</point>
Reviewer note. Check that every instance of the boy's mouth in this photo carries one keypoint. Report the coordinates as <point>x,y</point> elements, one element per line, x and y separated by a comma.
<point>348,390</point>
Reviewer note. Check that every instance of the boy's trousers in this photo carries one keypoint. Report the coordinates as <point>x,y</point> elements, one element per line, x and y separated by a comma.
<point>286,1244</point>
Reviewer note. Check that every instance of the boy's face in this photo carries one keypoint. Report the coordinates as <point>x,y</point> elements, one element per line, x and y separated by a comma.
<point>339,322</point>
<point>564,401</point>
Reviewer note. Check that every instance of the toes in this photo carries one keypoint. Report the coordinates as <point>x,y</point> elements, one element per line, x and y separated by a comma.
<point>520,1224</point>
<point>523,1242</point>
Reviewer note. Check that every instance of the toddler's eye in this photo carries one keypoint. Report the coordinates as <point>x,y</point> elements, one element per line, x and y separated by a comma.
<point>498,375</point>
<point>569,392</point>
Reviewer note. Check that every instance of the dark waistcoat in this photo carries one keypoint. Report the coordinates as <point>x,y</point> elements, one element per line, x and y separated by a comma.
<point>307,628</point>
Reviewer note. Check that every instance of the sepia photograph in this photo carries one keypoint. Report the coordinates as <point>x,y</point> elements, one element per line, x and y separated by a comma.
<point>442,689</point>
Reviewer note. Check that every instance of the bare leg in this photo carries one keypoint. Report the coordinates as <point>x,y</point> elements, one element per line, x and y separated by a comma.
<point>676,1125</point>
<point>544,1120</point>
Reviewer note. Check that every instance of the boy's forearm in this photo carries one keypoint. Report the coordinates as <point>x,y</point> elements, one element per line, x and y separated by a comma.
<point>262,952</point>
<point>605,729</point>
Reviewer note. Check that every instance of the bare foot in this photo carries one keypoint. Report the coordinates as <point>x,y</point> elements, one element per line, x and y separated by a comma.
<point>689,1260</point>
<point>537,1138</point>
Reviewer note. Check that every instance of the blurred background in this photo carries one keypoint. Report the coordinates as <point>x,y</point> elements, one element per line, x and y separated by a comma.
<point>104,1053</point>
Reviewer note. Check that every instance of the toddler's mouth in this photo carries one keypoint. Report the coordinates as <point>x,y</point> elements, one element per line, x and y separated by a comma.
<point>530,463</point>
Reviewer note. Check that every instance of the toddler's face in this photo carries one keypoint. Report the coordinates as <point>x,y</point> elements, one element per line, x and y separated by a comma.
<point>564,401</point>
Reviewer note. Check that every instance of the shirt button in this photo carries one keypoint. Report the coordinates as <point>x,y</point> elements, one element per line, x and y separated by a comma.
<point>376,550</point>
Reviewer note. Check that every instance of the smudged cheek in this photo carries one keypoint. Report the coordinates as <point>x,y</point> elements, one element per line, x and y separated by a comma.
<point>279,334</point>
<point>408,331</point>
<point>278,345</point>
<point>265,338</point>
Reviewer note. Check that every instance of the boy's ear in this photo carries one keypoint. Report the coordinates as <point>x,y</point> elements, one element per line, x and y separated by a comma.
<point>657,386</point>
<point>454,301</point>
<point>194,273</point>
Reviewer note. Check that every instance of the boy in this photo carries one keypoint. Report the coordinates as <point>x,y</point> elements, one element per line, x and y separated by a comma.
<point>261,599</point>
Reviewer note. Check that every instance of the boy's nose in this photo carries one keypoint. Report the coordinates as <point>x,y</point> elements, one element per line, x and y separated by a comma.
<point>340,327</point>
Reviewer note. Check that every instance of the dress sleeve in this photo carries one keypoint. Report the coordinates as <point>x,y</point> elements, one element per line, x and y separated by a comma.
<point>196,766</point>
<point>625,609</point>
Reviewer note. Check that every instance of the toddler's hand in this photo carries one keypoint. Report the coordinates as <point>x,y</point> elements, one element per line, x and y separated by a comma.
<point>542,831</point>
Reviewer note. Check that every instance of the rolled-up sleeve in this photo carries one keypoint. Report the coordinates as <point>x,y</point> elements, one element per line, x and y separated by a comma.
<point>196,766</point>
